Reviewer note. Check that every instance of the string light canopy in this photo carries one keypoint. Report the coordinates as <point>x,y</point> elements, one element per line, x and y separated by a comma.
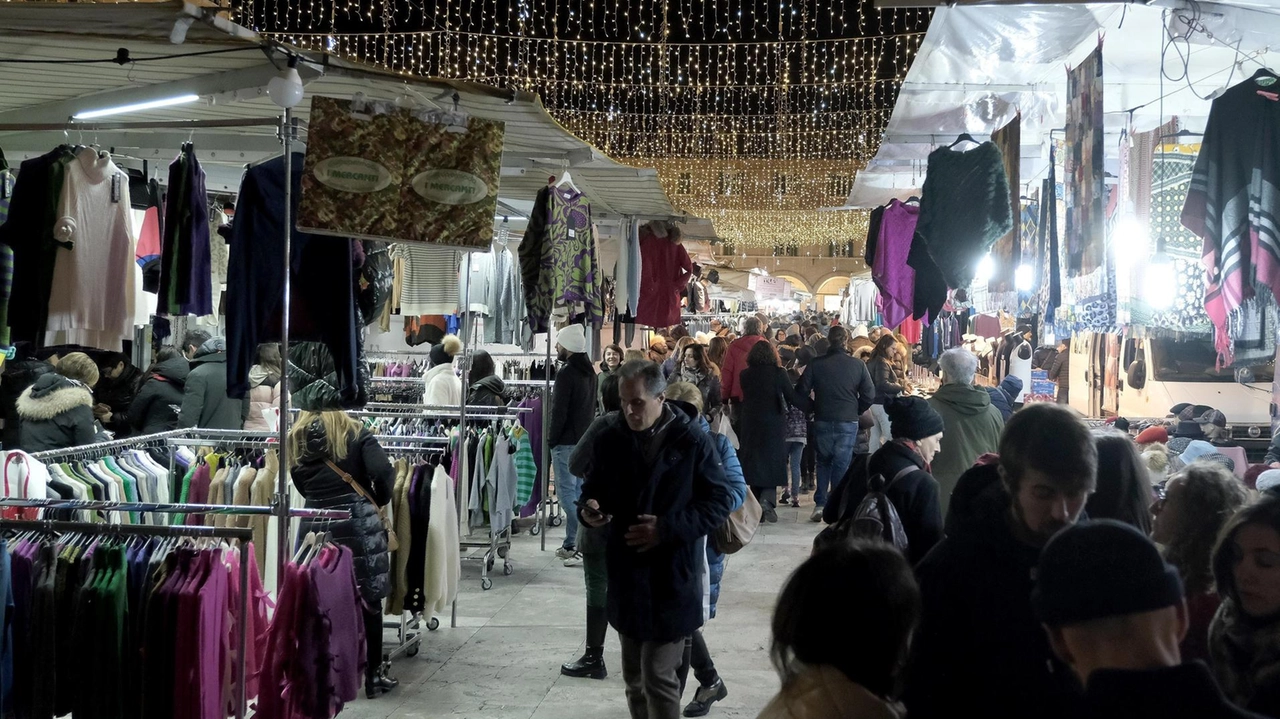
<point>756,113</point>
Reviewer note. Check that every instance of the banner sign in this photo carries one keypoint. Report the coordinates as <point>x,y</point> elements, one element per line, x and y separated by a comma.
<point>381,172</point>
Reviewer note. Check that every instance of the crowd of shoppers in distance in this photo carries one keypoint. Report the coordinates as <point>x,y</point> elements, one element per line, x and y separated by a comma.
<point>60,398</point>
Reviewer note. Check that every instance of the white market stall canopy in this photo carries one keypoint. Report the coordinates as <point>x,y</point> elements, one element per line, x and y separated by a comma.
<point>230,80</point>
<point>981,64</point>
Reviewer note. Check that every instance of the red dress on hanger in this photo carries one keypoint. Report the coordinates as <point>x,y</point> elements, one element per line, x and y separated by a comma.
<point>665,270</point>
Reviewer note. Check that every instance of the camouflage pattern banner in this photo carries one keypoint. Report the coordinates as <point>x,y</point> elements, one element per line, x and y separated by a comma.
<point>388,173</point>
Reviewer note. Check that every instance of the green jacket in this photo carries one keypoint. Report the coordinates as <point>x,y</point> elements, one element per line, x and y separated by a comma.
<point>972,428</point>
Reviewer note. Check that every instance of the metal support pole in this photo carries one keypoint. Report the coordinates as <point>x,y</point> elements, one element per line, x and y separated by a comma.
<point>546,452</point>
<point>242,701</point>
<point>282,481</point>
<point>462,409</point>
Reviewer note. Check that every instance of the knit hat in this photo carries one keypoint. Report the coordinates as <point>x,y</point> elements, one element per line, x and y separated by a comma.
<point>1213,417</point>
<point>444,352</point>
<point>1197,449</point>
<point>1099,569</point>
<point>573,338</point>
<point>1151,435</point>
<point>912,418</point>
<point>1268,480</point>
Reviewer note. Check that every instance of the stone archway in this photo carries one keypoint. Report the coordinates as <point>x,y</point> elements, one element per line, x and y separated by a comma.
<point>828,285</point>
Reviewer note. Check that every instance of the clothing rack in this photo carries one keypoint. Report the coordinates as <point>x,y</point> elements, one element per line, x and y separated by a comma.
<point>170,508</point>
<point>429,408</point>
<point>110,445</point>
<point>243,535</point>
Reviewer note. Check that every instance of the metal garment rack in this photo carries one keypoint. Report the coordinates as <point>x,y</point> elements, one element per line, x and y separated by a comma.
<point>549,514</point>
<point>99,448</point>
<point>241,534</point>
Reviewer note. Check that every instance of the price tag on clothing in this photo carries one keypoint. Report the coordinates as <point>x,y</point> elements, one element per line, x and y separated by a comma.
<point>572,234</point>
<point>115,189</point>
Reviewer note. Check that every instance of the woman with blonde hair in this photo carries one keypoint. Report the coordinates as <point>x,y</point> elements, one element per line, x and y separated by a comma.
<point>56,411</point>
<point>337,464</point>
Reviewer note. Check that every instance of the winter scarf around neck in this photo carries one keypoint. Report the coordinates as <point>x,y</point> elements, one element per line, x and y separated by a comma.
<point>1245,652</point>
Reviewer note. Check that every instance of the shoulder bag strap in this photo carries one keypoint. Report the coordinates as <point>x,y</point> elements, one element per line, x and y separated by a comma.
<point>351,481</point>
<point>901,473</point>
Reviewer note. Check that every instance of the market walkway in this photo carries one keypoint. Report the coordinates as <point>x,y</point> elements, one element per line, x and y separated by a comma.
<point>503,660</point>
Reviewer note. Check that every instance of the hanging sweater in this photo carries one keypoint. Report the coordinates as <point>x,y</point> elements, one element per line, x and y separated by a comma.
<point>893,276</point>
<point>665,270</point>
<point>965,208</point>
<point>1233,198</point>
<point>93,288</point>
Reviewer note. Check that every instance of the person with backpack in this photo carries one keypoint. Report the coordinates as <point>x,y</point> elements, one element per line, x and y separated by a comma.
<point>895,481</point>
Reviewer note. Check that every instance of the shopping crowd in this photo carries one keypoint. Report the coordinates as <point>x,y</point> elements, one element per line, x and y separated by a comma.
<point>989,557</point>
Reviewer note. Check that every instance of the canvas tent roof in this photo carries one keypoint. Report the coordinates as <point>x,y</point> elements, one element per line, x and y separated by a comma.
<point>980,64</point>
<point>232,87</point>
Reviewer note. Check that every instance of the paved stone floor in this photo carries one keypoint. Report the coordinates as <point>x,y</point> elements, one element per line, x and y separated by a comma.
<point>503,659</point>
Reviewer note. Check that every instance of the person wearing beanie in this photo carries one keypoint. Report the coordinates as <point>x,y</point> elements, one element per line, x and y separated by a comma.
<point>1114,612</point>
<point>1244,639</point>
<point>573,407</point>
<point>980,650</point>
<point>443,387</point>
<point>903,463</point>
<point>1152,435</point>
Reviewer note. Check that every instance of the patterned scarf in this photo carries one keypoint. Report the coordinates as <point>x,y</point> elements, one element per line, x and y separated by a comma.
<point>1245,653</point>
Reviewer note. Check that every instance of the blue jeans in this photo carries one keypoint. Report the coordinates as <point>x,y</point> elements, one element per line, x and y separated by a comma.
<point>836,441</point>
<point>796,452</point>
<point>568,489</point>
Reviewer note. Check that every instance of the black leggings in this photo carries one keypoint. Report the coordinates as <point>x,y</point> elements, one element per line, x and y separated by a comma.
<point>373,640</point>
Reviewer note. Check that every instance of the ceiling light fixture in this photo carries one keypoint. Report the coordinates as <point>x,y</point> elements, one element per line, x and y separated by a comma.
<point>136,107</point>
<point>286,89</point>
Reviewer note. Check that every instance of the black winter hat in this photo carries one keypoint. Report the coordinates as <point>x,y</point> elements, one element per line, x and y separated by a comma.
<point>912,418</point>
<point>1099,569</point>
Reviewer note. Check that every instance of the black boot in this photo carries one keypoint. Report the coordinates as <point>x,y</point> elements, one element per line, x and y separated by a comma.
<point>591,664</point>
<point>379,682</point>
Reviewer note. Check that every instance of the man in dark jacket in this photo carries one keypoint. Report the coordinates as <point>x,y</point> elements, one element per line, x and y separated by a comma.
<point>841,390</point>
<point>159,399</point>
<point>1114,611</point>
<point>979,649</point>
<point>1060,371</point>
<point>573,406</point>
<point>117,386</point>
<point>19,373</point>
<point>656,480</point>
<point>205,403</point>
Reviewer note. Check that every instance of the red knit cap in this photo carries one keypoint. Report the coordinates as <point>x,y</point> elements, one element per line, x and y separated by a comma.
<point>1153,434</point>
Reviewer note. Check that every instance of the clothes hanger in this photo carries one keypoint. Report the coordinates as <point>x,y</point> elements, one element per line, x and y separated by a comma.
<point>964,136</point>
<point>566,179</point>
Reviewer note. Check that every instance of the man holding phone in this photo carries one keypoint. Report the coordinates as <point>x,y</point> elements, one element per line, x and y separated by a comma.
<point>656,480</point>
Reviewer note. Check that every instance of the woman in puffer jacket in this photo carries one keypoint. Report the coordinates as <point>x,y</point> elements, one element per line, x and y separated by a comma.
<point>337,464</point>
<point>264,386</point>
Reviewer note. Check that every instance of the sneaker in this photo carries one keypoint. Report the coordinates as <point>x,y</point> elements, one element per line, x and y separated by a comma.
<point>574,560</point>
<point>795,502</point>
<point>817,514</point>
<point>565,552</point>
<point>770,516</point>
<point>786,497</point>
<point>704,698</point>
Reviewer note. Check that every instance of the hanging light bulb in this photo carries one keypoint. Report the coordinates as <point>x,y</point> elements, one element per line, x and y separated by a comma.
<point>1024,278</point>
<point>986,268</point>
<point>1161,282</point>
<point>285,89</point>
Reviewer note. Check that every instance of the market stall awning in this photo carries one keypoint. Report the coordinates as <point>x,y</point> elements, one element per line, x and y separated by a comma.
<point>979,65</point>
<point>231,81</point>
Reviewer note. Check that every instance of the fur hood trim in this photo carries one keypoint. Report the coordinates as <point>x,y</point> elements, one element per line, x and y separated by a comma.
<point>52,395</point>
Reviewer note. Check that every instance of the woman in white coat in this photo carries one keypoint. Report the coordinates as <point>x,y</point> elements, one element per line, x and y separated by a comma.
<point>443,388</point>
